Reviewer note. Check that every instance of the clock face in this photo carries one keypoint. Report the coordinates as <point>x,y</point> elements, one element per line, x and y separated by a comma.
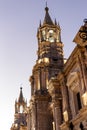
<point>51,35</point>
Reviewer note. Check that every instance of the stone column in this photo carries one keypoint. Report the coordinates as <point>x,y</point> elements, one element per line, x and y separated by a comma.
<point>32,114</point>
<point>65,98</point>
<point>55,92</point>
<point>28,119</point>
<point>57,116</point>
<point>32,84</point>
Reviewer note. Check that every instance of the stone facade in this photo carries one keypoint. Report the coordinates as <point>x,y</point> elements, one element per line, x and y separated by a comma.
<point>58,89</point>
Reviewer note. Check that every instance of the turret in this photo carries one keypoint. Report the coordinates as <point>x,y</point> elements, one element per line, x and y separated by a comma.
<point>20,113</point>
<point>21,104</point>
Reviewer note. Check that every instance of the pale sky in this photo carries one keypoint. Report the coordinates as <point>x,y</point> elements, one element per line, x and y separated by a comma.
<point>19,20</point>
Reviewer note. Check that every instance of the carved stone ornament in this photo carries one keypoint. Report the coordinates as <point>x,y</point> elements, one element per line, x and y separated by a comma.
<point>81,37</point>
<point>72,80</point>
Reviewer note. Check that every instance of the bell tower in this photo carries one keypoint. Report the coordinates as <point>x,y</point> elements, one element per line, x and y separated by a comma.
<point>50,53</point>
<point>49,63</point>
<point>20,105</point>
<point>20,113</point>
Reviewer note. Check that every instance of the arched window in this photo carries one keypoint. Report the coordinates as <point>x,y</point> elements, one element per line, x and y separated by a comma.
<point>21,109</point>
<point>71,126</point>
<point>81,126</point>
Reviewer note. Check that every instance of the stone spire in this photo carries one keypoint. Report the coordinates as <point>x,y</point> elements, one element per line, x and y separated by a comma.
<point>21,98</point>
<point>47,19</point>
<point>20,104</point>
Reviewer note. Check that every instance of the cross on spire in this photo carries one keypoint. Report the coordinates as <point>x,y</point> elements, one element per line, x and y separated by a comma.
<point>46,3</point>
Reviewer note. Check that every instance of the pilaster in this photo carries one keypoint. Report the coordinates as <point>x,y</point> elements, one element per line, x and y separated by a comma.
<point>56,105</point>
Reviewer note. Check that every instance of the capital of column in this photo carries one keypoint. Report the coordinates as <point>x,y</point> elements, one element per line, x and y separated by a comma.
<point>54,88</point>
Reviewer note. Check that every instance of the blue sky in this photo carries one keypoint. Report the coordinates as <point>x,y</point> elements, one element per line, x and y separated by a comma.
<point>19,20</point>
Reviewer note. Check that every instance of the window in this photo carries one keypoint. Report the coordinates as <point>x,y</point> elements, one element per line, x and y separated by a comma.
<point>51,35</point>
<point>44,35</point>
<point>55,59</point>
<point>74,86</point>
<point>71,126</point>
<point>81,126</point>
<point>21,109</point>
<point>78,101</point>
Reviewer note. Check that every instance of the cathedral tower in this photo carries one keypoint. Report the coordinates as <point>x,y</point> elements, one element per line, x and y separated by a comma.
<point>49,63</point>
<point>50,54</point>
<point>20,113</point>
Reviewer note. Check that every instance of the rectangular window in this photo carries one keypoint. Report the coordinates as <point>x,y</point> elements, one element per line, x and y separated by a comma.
<point>78,101</point>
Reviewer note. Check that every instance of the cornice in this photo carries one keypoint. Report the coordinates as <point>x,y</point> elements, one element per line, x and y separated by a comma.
<point>71,61</point>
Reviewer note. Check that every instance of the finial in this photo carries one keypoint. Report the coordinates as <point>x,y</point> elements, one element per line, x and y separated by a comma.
<point>55,22</point>
<point>46,3</point>
<point>58,24</point>
<point>20,88</point>
<point>46,8</point>
<point>40,24</point>
<point>85,20</point>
